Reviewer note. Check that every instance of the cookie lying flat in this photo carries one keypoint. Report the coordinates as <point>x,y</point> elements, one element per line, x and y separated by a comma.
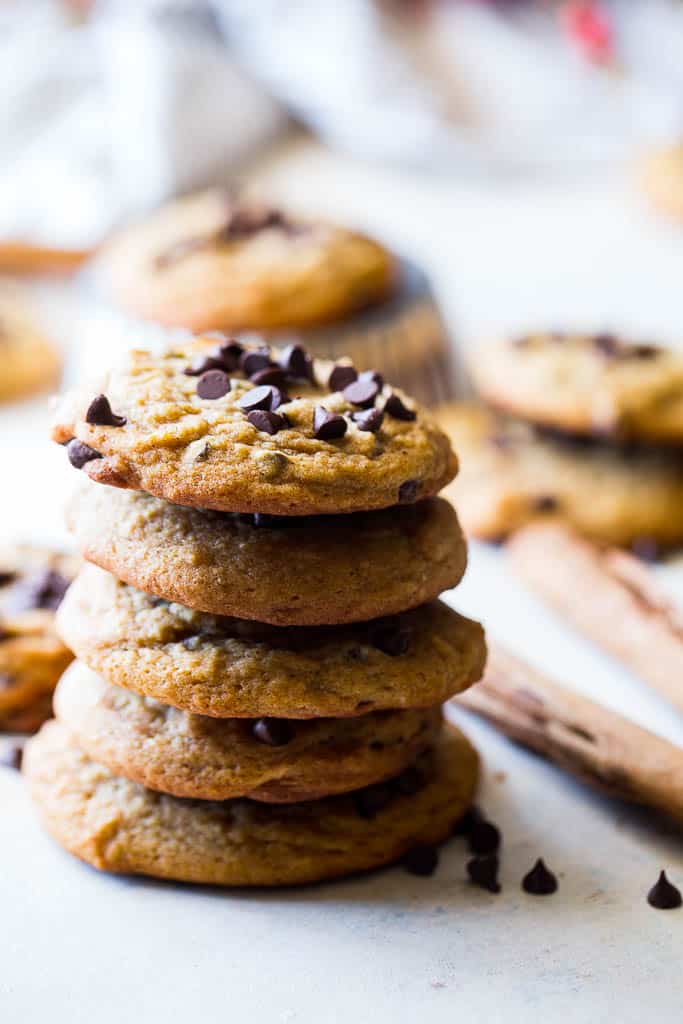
<point>120,826</point>
<point>510,476</point>
<point>269,759</point>
<point>586,384</point>
<point>28,362</point>
<point>212,261</point>
<point>297,571</point>
<point>32,657</point>
<point>662,179</point>
<point>256,435</point>
<point>230,668</point>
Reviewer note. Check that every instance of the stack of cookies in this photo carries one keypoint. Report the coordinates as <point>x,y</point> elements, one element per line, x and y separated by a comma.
<point>584,428</point>
<point>262,657</point>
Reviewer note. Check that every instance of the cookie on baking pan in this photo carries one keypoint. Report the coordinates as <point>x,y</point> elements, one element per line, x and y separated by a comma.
<point>272,759</point>
<point>213,261</point>
<point>586,384</point>
<point>662,179</point>
<point>32,657</point>
<point>231,668</point>
<point>511,475</point>
<point>236,429</point>
<point>28,362</point>
<point>287,571</point>
<point>119,826</point>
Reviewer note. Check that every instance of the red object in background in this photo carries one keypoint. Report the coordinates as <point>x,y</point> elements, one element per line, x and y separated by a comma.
<point>588,25</point>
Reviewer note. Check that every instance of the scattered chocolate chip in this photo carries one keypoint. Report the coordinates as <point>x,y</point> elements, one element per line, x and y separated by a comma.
<point>395,407</point>
<point>276,732</point>
<point>545,503</point>
<point>100,414</point>
<point>467,822</point>
<point>374,376</point>
<point>421,860</point>
<point>47,589</point>
<point>295,362</point>
<point>230,353</point>
<point>327,426</point>
<point>270,375</point>
<point>213,384</point>
<point>11,757</point>
<point>251,361</point>
<point>370,801</point>
<point>80,453</point>
<point>369,420</point>
<point>262,397</point>
<point>484,837</point>
<point>407,492</point>
<point>663,895</point>
<point>7,576</point>
<point>392,638</point>
<point>266,421</point>
<point>361,393</point>
<point>200,367</point>
<point>607,344</point>
<point>539,881</point>
<point>341,377</point>
<point>483,871</point>
<point>646,548</point>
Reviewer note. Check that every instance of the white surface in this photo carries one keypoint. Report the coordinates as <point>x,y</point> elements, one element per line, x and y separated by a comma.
<point>80,947</point>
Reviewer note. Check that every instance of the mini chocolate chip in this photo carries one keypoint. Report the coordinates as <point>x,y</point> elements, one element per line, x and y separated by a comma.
<point>213,384</point>
<point>392,638</point>
<point>11,757</point>
<point>539,881</point>
<point>646,548</point>
<point>252,361</point>
<point>545,503</point>
<point>606,344</point>
<point>200,367</point>
<point>295,362</point>
<point>230,353</point>
<point>267,422</point>
<point>421,860</point>
<point>276,732</point>
<point>395,407</point>
<point>258,398</point>
<point>407,492</point>
<point>374,376</point>
<point>80,453</point>
<point>370,801</point>
<point>327,426</point>
<point>484,837</point>
<point>362,393</point>
<point>467,822</point>
<point>100,414</point>
<point>663,895</point>
<point>270,375</point>
<point>341,377</point>
<point>369,420</point>
<point>483,871</point>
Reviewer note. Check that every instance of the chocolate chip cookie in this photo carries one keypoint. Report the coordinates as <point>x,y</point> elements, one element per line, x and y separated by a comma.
<point>231,668</point>
<point>285,571</point>
<point>29,364</point>
<point>119,826</point>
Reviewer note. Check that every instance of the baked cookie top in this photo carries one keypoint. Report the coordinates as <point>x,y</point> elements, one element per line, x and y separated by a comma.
<point>231,668</point>
<point>117,825</point>
<point>512,475</point>
<point>213,261</point>
<point>286,571</point>
<point>29,363</point>
<point>220,426</point>
<point>586,384</point>
<point>272,759</point>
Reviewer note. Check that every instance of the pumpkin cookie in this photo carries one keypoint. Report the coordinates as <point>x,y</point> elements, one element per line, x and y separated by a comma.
<point>213,261</point>
<point>119,826</point>
<point>286,571</point>
<point>512,475</point>
<point>28,362</point>
<point>586,384</point>
<point>271,759</point>
<point>221,426</point>
<point>231,668</point>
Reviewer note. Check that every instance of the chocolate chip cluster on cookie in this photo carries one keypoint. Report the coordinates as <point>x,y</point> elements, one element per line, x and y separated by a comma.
<point>262,655</point>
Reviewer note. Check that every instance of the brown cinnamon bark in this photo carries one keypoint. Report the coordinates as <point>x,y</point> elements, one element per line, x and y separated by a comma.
<point>598,746</point>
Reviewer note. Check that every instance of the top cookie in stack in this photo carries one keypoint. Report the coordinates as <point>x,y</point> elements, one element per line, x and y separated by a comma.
<point>269,631</point>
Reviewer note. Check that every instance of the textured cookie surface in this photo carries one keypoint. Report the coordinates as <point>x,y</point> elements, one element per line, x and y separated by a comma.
<point>28,362</point>
<point>119,826</point>
<point>296,571</point>
<point>190,438</point>
<point>275,760</point>
<point>586,384</point>
<point>210,262</point>
<point>230,668</point>
<point>510,476</point>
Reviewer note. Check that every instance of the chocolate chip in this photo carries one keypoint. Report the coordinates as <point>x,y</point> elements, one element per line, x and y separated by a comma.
<point>276,732</point>
<point>395,407</point>
<point>545,503</point>
<point>407,492</point>
<point>646,548</point>
<point>483,871</point>
<point>663,895</point>
<point>11,757</point>
<point>200,367</point>
<point>327,426</point>
<point>80,453</point>
<point>484,837</point>
<point>213,384</point>
<point>295,362</point>
<point>252,361</point>
<point>392,638</point>
<point>7,576</point>
<point>267,422</point>
<point>100,414</point>
<point>230,353</point>
<point>607,345</point>
<point>421,860</point>
<point>246,222</point>
<point>362,393</point>
<point>374,376</point>
<point>370,801</point>
<point>269,375</point>
<point>645,351</point>
<point>341,377</point>
<point>539,881</point>
<point>369,420</point>
<point>467,822</point>
<point>47,589</point>
<point>410,781</point>
<point>262,397</point>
